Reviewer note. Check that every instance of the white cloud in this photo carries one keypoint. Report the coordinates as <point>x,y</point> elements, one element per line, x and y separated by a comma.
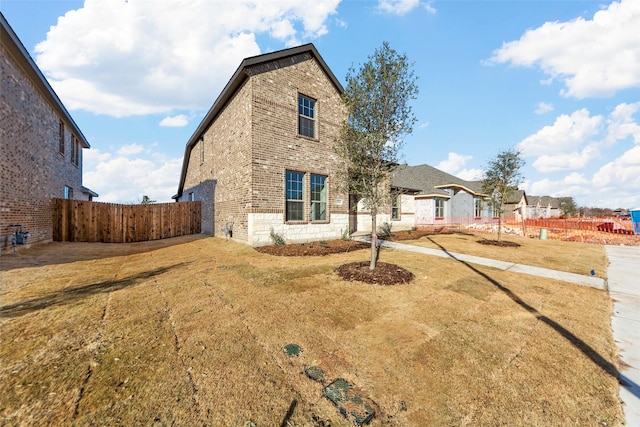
<point>621,124</point>
<point>129,174</point>
<point>593,58</point>
<point>543,107</point>
<point>454,163</point>
<point>130,149</point>
<point>566,135</point>
<point>566,162</point>
<point>574,183</point>
<point>133,57</point>
<point>175,121</point>
<point>398,7</point>
<point>455,166</point>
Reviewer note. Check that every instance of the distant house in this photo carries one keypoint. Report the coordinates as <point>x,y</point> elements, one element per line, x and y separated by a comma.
<point>41,151</point>
<point>262,158</point>
<point>517,205</point>
<point>431,197</point>
<point>543,207</point>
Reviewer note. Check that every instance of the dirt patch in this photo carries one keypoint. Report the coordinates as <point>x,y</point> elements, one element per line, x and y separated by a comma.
<point>321,248</point>
<point>384,273</point>
<point>501,243</point>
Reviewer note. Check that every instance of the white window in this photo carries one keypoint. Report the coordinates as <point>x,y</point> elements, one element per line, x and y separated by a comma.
<point>294,196</point>
<point>395,207</point>
<point>306,116</point>
<point>477,207</point>
<point>318,198</point>
<point>68,192</point>
<point>439,208</point>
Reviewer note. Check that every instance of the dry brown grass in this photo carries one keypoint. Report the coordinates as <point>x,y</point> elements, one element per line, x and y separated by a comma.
<point>191,332</point>
<point>572,257</point>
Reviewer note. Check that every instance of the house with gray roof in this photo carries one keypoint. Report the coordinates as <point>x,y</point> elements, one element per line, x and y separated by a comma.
<point>543,207</point>
<point>433,197</point>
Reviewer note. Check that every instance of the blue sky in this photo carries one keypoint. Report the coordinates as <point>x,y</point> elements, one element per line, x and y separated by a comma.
<point>559,80</point>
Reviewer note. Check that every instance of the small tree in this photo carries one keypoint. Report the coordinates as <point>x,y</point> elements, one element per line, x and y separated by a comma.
<point>501,178</point>
<point>146,200</point>
<point>567,206</point>
<point>376,100</point>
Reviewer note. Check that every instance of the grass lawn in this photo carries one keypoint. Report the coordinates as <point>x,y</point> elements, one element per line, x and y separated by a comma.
<point>191,331</point>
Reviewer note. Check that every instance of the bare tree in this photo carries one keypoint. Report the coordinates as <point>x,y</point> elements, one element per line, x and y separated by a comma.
<point>501,178</point>
<point>146,200</point>
<point>376,100</point>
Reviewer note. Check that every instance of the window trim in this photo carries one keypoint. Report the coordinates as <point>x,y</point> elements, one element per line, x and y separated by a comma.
<point>395,206</point>
<point>61,137</point>
<point>75,150</point>
<point>68,192</point>
<point>436,208</point>
<point>320,202</point>
<point>477,207</point>
<point>313,119</point>
<point>300,201</point>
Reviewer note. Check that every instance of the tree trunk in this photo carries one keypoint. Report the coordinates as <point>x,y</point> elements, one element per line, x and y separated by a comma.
<point>500,227</point>
<point>374,241</point>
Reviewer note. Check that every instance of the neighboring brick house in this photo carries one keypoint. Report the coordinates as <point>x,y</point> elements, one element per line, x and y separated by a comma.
<point>429,196</point>
<point>262,157</point>
<point>41,152</point>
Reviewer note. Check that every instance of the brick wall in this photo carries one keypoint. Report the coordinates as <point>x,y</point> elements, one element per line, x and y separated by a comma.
<point>32,169</point>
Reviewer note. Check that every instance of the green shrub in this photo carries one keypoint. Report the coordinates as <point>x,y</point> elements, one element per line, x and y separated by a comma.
<point>277,239</point>
<point>385,229</point>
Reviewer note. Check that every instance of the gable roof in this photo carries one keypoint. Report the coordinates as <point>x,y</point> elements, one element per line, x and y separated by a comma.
<point>237,80</point>
<point>431,182</point>
<point>21,56</point>
<point>516,196</point>
<point>545,201</point>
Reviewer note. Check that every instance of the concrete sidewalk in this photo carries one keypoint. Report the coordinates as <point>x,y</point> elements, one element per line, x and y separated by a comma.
<point>623,284</point>
<point>624,288</point>
<point>502,265</point>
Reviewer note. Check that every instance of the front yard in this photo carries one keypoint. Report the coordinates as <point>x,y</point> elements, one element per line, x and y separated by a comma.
<point>191,331</point>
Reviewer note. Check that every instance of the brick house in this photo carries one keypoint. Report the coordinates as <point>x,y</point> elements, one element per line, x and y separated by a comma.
<point>262,157</point>
<point>429,196</point>
<point>41,152</point>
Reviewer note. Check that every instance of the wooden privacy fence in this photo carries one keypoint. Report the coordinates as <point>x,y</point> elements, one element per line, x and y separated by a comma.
<point>83,221</point>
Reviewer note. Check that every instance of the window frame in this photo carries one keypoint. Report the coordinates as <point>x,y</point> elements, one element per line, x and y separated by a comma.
<point>395,207</point>
<point>322,204</point>
<point>477,207</point>
<point>438,201</point>
<point>75,150</point>
<point>61,137</point>
<point>305,118</point>
<point>67,192</point>
<point>299,194</point>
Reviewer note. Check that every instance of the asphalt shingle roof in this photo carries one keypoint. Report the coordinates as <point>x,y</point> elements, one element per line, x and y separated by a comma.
<point>430,181</point>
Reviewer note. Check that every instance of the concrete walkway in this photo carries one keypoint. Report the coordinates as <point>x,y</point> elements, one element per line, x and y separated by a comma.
<point>503,265</point>
<point>623,284</point>
<point>624,287</point>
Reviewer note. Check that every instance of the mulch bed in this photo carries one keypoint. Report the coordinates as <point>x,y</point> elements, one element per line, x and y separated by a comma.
<point>384,274</point>
<point>501,243</point>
